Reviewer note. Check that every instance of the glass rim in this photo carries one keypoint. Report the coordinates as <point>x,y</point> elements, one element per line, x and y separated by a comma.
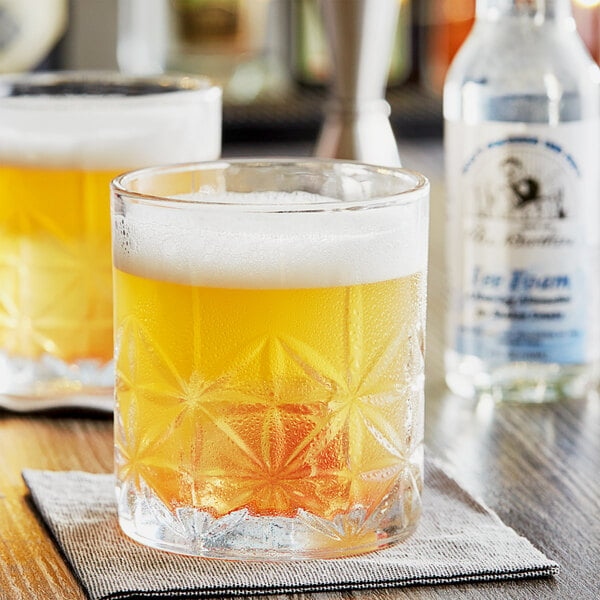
<point>165,84</point>
<point>412,195</point>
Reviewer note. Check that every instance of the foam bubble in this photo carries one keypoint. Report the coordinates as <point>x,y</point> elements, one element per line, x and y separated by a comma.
<point>110,132</point>
<point>229,247</point>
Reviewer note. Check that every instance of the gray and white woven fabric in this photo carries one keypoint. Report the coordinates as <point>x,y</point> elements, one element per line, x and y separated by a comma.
<point>458,540</point>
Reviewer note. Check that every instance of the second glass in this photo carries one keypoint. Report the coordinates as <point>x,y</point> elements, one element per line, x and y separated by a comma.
<point>63,137</point>
<point>269,327</point>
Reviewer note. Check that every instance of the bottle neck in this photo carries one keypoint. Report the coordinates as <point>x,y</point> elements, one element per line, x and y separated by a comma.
<point>539,10</point>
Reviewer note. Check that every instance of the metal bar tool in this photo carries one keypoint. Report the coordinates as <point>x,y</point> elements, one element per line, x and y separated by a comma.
<point>360,34</point>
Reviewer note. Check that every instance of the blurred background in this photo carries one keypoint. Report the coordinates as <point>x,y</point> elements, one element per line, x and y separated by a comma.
<point>270,56</point>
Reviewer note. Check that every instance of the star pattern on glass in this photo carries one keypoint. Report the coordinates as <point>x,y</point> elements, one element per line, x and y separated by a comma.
<point>55,290</point>
<point>281,430</point>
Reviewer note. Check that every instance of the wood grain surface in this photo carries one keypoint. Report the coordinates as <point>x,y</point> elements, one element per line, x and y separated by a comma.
<point>538,467</point>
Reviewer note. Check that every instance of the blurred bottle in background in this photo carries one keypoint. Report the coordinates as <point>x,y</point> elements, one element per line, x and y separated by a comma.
<point>29,32</point>
<point>310,60</point>
<point>445,24</point>
<point>587,17</point>
<point>240,44</point>
<point>310,63</point>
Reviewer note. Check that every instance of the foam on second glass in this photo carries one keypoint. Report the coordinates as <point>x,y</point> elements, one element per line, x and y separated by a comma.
<point>96,132</point>
<point>227,246</point>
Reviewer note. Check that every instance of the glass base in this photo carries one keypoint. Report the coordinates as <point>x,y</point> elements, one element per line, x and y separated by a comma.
<point>242,536</point>
<point>48,382</point>
<point>519,382</point>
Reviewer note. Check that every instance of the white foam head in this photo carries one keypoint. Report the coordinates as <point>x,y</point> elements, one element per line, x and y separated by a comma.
<point>227,246</point>
<point>110,132</point>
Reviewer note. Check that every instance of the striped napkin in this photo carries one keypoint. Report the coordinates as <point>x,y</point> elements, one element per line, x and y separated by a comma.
<point>458,540</point>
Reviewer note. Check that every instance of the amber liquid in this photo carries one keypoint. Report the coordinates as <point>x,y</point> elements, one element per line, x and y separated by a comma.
<point>55,263</point>
<point>272,400</point>
<point>448,26</point>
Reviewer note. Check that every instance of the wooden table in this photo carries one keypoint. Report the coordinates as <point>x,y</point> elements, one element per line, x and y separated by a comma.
<point>538,467</point>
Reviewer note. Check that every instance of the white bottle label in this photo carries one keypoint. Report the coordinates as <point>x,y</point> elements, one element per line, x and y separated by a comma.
<point>523,225</point>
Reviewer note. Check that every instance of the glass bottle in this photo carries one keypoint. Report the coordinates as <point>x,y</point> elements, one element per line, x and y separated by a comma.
<point>587,18</point>
<point>522,143</point>
<point>239,44</point>
<point>445,26</point>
